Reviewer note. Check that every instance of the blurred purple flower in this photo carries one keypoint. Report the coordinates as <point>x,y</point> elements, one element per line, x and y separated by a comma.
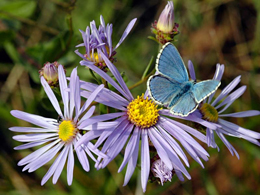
<point>58,135</point>
<point>100,40</point>
<point>161,171</point>
<point>139,119</point>
<point>210,114</point>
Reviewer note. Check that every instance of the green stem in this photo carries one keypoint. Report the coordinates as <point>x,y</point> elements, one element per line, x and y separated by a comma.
<point>141,81</point>
<point>94,76</point>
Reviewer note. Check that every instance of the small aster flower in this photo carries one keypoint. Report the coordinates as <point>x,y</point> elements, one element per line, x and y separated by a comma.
<point>161,171</point>
<point>58,136</point>
<point>165,29</point>
<point>140,119</point>
<point>210,114</point>
<point>50,73</point>
<point>100,40</point>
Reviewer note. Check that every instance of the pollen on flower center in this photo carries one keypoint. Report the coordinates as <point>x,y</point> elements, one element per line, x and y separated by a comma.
<point>209,112</point>
<point>67,131</point>
<point>143,112</point>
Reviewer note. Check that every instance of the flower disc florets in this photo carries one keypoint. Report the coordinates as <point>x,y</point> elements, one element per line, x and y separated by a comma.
<point>143,112</point>
<point>209,113</point>
<point>67,130</point>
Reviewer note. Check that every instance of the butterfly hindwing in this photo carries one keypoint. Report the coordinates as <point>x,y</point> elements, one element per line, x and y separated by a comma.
<point>162,89</point>
<point>170,64</point>
<point>203,89</point>
<point>185,105</point>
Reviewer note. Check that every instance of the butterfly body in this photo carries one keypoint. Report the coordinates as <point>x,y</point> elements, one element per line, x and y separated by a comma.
<point>171,87</point>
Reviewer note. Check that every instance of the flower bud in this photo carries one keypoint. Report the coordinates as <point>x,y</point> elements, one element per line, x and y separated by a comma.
<point>166,19</point>
<point>161,171</point>
<point>50,73</point>
<point>165,29</point>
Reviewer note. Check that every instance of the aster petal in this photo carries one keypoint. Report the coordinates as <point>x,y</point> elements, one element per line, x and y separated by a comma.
<point>108,132</point>
<point>33,144</point>
<point>228,145</point>
<point>90,99</point>
<point>60,164</point>
<point>31,129</point>
<point>77,99</point>
<point>106,77</point>
<point>102,126</point>
<point>33,137</point>
<point>182,135</point>
<point>217,76</point>
<point>86,116</point>
<point>145,160</point>
<point>175,161</point>
<point>34,119</point>
<point>87,62</point>
<point>131,164</point>
<point>63,86</point>
<point>46,157</point>
<point>227,89</point>
<point>239,129</point>
<point>82,158</point>
<point>173,144</point>
<point>34,155</point>
<point>106,99</point>
<point>231,98</point>
<point>51,96</point>
<point>211,139</point>
<point>118,145</point>
<point>192,117</point>
<point>242,114</point>
<point>54,167</point>
<point>109,38</point>
<point>70,165</point>
<point>104,93</point>
<point>99,118</point>
<point>118,77</point>
<point>130,148</point>
<point>73,78</point>
<point>191,70</point>
<point>87,40</point>
<point>190,130</point>
<point>126,32</point>
<point>85,137</point>
<point>159,148</point>
<point>115,134</point>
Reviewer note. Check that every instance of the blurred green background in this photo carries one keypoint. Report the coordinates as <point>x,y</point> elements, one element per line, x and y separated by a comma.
<point>211,31</point>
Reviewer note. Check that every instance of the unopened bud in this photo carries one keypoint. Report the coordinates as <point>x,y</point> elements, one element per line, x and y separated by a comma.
<point>166,19</point>
<point>50,73</point>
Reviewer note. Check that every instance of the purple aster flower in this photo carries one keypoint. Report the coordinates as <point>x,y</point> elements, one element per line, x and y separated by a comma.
<point>97,40</point>
<point>210,114</point>
<point>139,119</point>
<point>59,136</point>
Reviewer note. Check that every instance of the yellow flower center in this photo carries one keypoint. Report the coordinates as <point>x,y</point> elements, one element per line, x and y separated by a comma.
<point>142,112</point>
<point>95,57</point>
<point>209,112</point>
<point>67,131</point>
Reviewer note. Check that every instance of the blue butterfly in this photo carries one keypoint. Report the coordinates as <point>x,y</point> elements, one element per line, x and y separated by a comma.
<point>171,86</point>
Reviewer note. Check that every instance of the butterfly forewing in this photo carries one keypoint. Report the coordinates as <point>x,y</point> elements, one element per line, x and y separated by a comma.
<point>170,64</point>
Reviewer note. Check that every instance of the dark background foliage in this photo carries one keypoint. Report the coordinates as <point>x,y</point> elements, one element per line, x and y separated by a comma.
<point>211,31</point>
